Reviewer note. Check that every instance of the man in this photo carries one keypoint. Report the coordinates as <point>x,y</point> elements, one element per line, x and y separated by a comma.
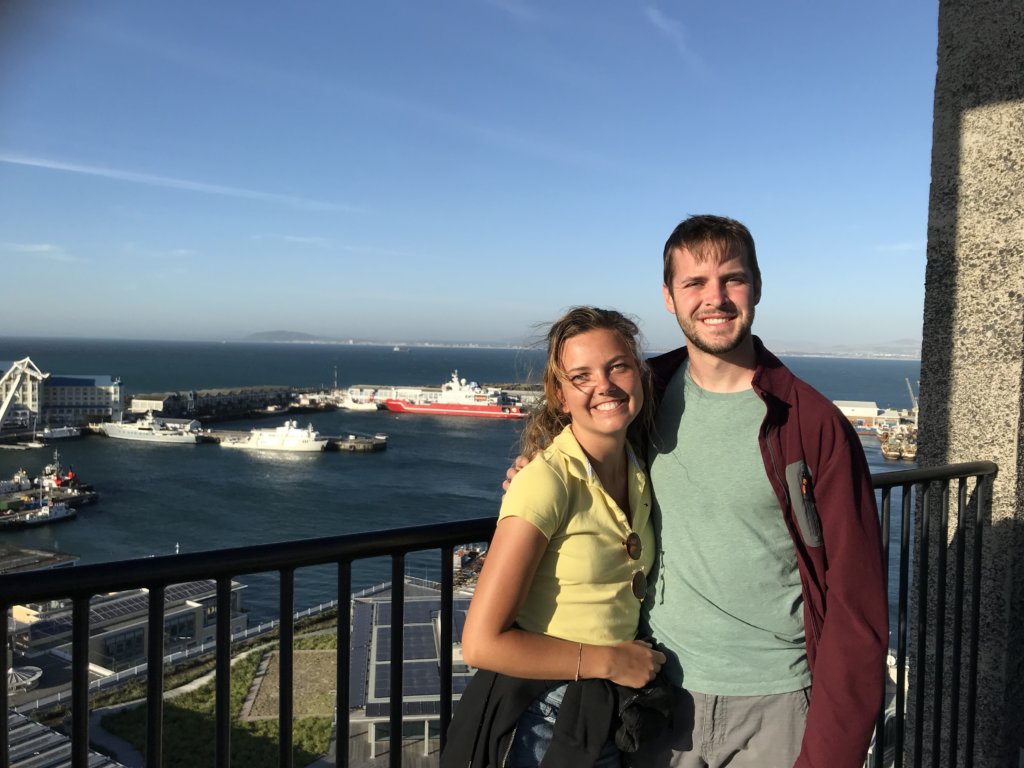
<point>775,625</point>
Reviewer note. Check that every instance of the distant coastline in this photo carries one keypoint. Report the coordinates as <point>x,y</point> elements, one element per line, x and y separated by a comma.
<point>853,355</point>
<point>842,355</point>
<point>909,351</point>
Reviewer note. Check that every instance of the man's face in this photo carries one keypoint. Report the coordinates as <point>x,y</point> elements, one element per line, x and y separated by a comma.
<point>713,300</point>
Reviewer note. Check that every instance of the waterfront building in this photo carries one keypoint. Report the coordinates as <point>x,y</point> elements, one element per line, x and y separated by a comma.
<point>118,624</point>
<point>79,400</point>
<point>865,415</point>
<point>29,397</point>
<point>204,403</point>
<point>861,413</point>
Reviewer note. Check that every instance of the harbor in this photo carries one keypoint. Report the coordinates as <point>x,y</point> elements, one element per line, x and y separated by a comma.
<point>896,430</point>
<point>52,497</point>
<point>158,499</point>
<point>188,498</point>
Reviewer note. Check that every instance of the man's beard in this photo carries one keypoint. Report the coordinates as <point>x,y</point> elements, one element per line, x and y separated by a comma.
<point>723,346</point>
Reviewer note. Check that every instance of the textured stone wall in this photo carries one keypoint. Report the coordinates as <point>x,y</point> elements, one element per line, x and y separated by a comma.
<point>972,371</point>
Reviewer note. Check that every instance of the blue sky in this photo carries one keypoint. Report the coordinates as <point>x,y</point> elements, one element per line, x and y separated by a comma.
<point>456,170</point>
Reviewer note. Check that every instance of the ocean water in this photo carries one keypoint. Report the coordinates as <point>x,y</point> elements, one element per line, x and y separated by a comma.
<point>155,499</point>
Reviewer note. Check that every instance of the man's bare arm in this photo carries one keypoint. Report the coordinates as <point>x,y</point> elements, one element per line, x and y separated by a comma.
<point>520,462</point>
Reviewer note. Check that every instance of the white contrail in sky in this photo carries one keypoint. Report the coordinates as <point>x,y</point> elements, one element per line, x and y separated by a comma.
<point>170,182</point>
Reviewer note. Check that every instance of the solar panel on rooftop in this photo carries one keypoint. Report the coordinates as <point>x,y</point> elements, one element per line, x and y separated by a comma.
<point>419,678</point>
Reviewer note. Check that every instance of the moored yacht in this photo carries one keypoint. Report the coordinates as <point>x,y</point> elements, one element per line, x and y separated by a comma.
<point>289,437</point>
<point>152,429</point>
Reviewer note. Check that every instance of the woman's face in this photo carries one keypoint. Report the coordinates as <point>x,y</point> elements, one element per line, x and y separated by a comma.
<point>602,391</point>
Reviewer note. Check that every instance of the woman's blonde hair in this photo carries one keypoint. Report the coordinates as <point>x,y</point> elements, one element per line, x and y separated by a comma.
<point>547,418</point>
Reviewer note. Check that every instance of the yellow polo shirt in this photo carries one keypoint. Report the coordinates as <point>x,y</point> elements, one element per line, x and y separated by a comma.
<point>581,591</point>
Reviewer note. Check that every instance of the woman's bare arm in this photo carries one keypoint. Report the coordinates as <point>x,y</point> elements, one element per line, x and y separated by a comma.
<point>490,642</point>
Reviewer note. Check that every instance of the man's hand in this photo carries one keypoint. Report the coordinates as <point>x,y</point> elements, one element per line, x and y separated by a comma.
<point>520,462</point>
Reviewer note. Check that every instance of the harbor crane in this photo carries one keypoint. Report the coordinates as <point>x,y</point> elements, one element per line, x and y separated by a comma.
<point>12,382</point>
<point>913,402</point>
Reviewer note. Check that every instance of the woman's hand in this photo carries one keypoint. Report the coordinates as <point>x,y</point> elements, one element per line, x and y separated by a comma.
<point>633,664</point>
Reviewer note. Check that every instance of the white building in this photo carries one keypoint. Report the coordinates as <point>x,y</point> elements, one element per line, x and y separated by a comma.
<point>27,396</point>
<point>861,413</point>
<point>118,623</point>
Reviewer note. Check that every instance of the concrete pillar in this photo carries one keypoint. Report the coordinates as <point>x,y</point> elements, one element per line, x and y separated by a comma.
<point>972,372</point>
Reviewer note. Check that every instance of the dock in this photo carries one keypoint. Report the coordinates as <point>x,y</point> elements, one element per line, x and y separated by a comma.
<point>351,443</point>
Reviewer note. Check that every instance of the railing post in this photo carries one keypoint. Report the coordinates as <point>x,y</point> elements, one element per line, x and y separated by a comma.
<point>958,619</point>
<point>942,539</point>
<point>886,522</point>
<point>285,668</point>
<point>5,759</point>
<point>155,678</point>
<point>222,704</point>
<point>982,489</point>
<point>445,651</point>
<point>80,682</point>
<point>902,611</point>
<point>397,658</point>
<point>344,659</point>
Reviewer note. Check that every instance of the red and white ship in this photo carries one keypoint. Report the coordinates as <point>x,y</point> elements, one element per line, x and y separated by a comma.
<point>458,398</point>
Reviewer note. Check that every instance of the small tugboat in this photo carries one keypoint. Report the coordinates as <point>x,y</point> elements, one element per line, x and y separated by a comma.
<point>892,449</point>
<point>36,513</point>
<point>909,449</point>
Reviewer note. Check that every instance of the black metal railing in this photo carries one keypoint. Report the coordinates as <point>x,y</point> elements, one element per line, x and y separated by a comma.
<point>156,574</point>
<point>922,547</point>
<point>82,582</point>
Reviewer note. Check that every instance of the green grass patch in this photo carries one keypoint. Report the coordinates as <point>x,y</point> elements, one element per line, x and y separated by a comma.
<point>314,679</point>
<point>189,728</point>
<point>324,642</point>
<point>174,677</point>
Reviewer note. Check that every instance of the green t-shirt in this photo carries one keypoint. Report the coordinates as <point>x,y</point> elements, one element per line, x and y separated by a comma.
<point>725,595</point>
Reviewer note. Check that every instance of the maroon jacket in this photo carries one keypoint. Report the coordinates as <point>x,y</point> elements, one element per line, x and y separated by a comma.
<point>815,463</point>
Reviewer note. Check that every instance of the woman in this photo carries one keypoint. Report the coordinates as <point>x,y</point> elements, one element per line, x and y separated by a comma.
<point>559,596</point>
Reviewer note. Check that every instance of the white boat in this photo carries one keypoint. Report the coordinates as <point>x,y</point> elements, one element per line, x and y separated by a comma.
<point>356,398</point>
<point>20,482</point>
<point>354,405</point>
<point>48,512</point>
<point>59,433</point>
<point>289,437</point>
<point>151,429</point>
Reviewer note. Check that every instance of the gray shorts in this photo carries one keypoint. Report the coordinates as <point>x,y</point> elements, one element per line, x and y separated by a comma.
<point>709,731</point>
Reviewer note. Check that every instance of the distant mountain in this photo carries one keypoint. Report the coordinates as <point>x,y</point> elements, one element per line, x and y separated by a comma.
<point>282,336</point>
<point>904,349</point>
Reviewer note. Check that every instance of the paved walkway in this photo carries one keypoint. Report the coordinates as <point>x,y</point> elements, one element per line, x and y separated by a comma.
<point>123,751</point>
<point>115,746</point>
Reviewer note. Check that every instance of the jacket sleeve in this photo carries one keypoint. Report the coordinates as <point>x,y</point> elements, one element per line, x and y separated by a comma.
<point>848,663</point>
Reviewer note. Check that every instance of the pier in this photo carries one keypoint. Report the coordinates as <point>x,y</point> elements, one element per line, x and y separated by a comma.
<point>351,443</point>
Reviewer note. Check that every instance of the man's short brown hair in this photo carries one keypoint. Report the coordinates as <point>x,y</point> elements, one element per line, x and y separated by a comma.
<point>709,236</point>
